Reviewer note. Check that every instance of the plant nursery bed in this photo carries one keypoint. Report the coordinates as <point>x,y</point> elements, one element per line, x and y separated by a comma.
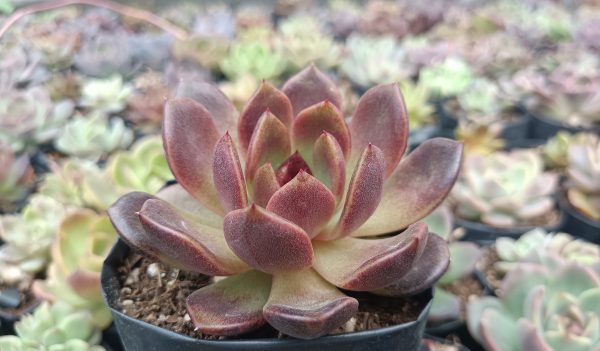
<point>155,293</point>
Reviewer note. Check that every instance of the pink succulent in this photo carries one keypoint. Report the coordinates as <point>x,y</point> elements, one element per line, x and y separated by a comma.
<point>276,221</point>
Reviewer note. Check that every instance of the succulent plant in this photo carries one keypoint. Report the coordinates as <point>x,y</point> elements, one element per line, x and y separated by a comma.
<point>150,50</point>
<point>504,189</point>
<point>550,307</point>
<point>215,21</point>
<point>479,138</point>
<point>583,173</point>
<point>28,117</point>
<point>448,78</point>
<point>416,96</point>
<point>63,86</point>
<point>57,46</point>
<point>108,95</point>
<point>556,149</point>
<point>399,18</point>
<point>534,245</point>
<point>83,241</point>
<point>481,102</point>
<point>281,243</point>
<point>104,54</point>
<point>143,168</point>
<point>207,51</point>
<point>240,90</point>
<point>146,104</point>
<point>19,67</point>
<point>93,136</point>
<point>302,41</point>
<point>447,306</point>
<point>16,177</point>
<point>54,328</point>
<point>372,60</point>
<point>28,237</point>
<point>255,58</point>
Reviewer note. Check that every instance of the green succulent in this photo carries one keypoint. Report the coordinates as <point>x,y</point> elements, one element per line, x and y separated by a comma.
<point>28,237</point>
<point>16,177</point>
<point>504,189</point>
<point>302,41</point>
<point>583,172</point>
<point>373,60</point>
<point>93,136</point>
<point>448,78</point>
<point>551,22</point>
<point>240,90</point>
<point>207,51</point>
<point>556,149</point>
<point>255,58</point>
<point>143,168</point>
<point>105,95</point>
<point>28,117</point>
<point>478,138</point>
<point>537,243</point>
<point>549,307</point>
<point>416,96</point>
<point>83,241</point>
<point>57,327</point>
<point>481,101</point>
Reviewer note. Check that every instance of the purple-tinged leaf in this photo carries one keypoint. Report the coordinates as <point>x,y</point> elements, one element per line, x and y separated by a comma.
<point>266,241</point>
<point>231,306</point>
<point>531,339</point>
<point>228,175</point>
<point>292,166</point>
<point>264,185</point>
<point>498,331</point>
<point>475,309</point>
<point>329,165</point>
<point>189,138</point>
<point>305,201</point>
<point>311,86</point>
<point>374,264</point>
<point>417,186</point>
<point>266,98</point>
<point>311,122</point>
<point>381,119</point>
<point>304,305</point>
<point>426,270</point>
<point>364,193</point>
<point>213,99</point>
<point>177,197</point>
<point>180,241</point>
<point>85,283</point>
<point>269,143</point>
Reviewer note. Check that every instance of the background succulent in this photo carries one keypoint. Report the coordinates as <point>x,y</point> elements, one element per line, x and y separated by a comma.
<point>207,51</point>
<point>240,90</point>
<point>583,173</point>
<point>448,78</point>
<point>104,54</point>
<point>28,237</point>
<point>479,138</point>
<point>416,96</point>
<point>20,67</point>
<point>93,136</point>
<point>54,327</point>
<point>16,177</point>
<point>105,95</point>
<point>548,307</point>
<point>556,149</point>
<point>83,241</point>
<point>280,275</point>
<point>146,104</point>
<point>504,189</point>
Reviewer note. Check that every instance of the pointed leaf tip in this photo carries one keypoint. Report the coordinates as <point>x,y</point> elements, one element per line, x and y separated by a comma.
<point>228,175</point>
<point>329,164</point>
<point>265,184</point>
<point>270,142</point>
<point>266,241</point>
<point>311,86</point>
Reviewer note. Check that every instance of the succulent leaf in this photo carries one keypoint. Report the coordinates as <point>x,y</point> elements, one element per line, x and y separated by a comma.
<point>228,175</point>
<point>265,184</point>
<point>329,164</point>
<point>311,86</point>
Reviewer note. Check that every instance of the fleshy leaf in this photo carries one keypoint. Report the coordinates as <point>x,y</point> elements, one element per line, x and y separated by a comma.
<point>374,264</point>
<point>314,120</point>
<point>329,164</point>
<point>177,197</point>
<point>445,307</point>
<point>266,98</point>
<point>303,305</point>
<point>311,86</point>
<point>463,257</point>
<point>189,139</point>
<point>290,168</point>
<point>231,306</point>
<point>429,267</point>
<point>498,331</point>
<point>270,143</point>
<point>305,201</point>
<point>417,186</point>
<point>178,240</point>
<point>475,309</point>
<point>228,175</point>
<point>530,339</point>
<point>364,193</point>
<point>266,241</point>
<point>213,99</point>
<point>380,118</point>
<point>264,185</point>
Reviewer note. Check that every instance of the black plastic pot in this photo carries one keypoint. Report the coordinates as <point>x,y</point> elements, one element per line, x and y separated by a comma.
<point>484,234</point>
<point>418,135</point>
<point>8,320</point>
<point>579,225</point>
<point>137,335</point>
<point>457,328</point>
<point>545,127</point>
<point>516,130</point>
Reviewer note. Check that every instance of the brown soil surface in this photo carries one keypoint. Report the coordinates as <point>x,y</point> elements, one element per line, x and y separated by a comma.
<point>486,265</point>
<point>156,294</point>
<point>464,288</point>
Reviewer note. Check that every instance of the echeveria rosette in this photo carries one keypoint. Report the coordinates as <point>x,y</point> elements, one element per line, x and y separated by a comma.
<point>540,307</point>
<point>276,219</point>
<point>583,172</point>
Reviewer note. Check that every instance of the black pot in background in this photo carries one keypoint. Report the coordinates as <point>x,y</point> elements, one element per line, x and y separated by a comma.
<point>446,120</point>
<point>111,340</point>
<point>579,225</point>
<point>140,336</point>
<point>545,127</point>
<point>8,320</point>
<point>418,135</point>
<point>457,328</point>
<point>484,234</point>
